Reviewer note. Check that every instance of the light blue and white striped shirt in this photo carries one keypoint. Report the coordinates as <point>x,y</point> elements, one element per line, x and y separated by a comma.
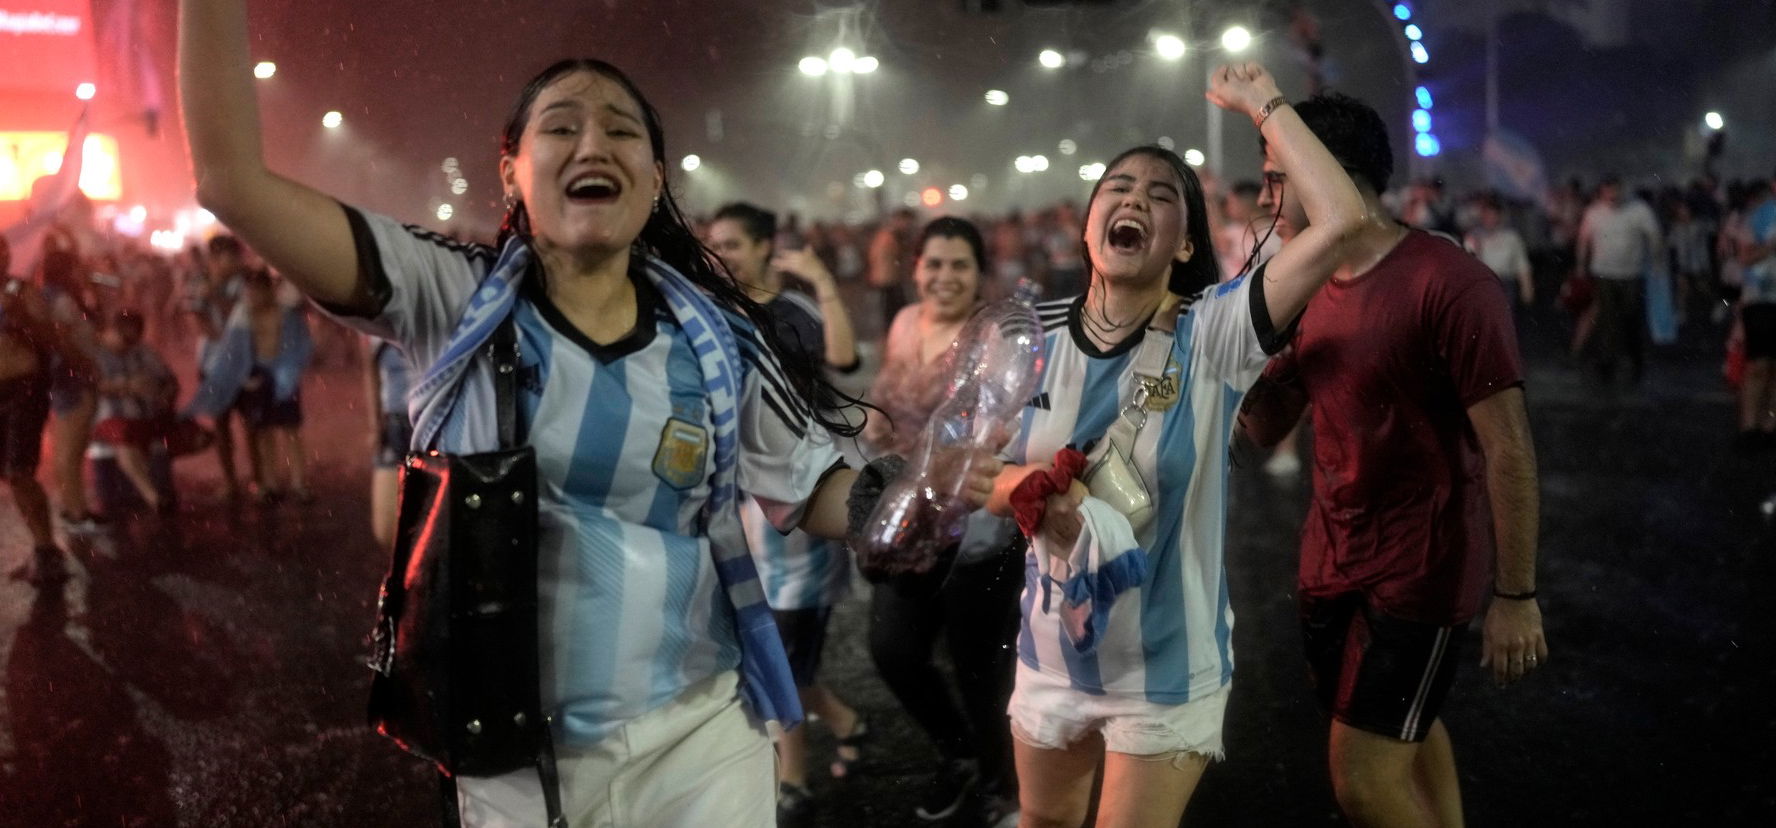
<point>1169,640</point>
<point>632,609</point>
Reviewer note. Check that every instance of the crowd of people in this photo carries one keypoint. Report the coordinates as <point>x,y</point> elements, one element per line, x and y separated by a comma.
<point>680,382</point>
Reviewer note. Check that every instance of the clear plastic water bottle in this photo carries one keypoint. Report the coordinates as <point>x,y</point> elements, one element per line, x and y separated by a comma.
<point>998,360</point>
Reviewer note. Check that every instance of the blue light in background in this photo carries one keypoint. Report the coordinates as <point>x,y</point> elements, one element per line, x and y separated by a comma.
<point>1424,98</point>
<point>1402,12</point>
<point>1413,32</point>
<point>1419,54</point>
<point>1428,145</point>
<point>1421,120</point>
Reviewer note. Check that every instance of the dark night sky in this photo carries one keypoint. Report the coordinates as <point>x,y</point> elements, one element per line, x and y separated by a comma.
<point>422,81</point>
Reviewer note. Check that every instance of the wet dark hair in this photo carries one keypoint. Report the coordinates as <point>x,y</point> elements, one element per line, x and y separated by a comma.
<point>950,227</point>
<point>1202,270</point>
<point>1355,135</point>
<point>668,237</point>
<point>760,224</point>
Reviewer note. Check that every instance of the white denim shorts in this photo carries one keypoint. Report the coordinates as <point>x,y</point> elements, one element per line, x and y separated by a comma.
<point>1047,712</point>
<point>698,761</point>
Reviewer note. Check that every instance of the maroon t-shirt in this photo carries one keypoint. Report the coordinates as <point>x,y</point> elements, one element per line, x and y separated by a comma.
<point>1391,360</point>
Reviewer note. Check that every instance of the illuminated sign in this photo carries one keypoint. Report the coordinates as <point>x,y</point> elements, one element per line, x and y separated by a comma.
<point>45,45</point>
<point>26,157</point>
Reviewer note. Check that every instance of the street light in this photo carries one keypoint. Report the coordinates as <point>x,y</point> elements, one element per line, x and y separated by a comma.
<point>1039,163</point>
<point>459,186</point>
<point>85,91</point>
<point>958,192</point>
<point>1091,172</point>
<point>445,211</point>
<point>264,69</point>
<point>865,65</point>
<point>1194,157</point>
<point>841,60</point>
<point>812,66</point>
<point>1714,121</point>
<point>909,166</point>
<point>873,179</point>
<point>332,120</point>
<point>1419,55</point>
<point>1236,39</point>
<point>997,97</point>
<point>1051,59</point>
<point>1067,146</point>
<point>691,163</point>
<point>1170,47</point>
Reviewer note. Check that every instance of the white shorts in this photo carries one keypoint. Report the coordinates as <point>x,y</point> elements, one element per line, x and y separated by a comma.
<point>1047,712</point>
<point>698,761</point>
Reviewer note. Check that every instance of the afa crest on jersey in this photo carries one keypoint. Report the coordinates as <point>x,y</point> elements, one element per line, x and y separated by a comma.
<point>679,459</point>
<point>1163,391</point>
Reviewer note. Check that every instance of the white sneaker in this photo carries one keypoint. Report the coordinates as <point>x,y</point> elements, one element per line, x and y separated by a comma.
<point>1283,464</point>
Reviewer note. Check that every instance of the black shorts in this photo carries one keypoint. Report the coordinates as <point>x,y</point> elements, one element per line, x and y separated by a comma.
<point>392,440</point>
<point>24,409</point>
<point>1375,672</point>
<point>804,636</point>
<point>260,407</point>
<point>1760,330</point>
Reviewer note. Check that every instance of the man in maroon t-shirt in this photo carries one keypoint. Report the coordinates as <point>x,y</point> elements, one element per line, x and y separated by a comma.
<point>1424,475</point>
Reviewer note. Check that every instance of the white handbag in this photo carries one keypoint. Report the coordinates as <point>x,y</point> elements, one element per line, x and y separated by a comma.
<point>1110,471</point>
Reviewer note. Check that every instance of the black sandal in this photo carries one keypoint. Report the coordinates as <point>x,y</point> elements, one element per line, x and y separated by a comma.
<point>842,767</point>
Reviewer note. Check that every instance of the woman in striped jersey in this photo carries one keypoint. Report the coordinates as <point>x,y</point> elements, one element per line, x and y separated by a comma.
<point>1124,653</point>
<point>652,389</point>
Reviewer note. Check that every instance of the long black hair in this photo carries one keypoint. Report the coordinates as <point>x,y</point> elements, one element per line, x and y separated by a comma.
<point>668,237</point>
<point>1202,270</point>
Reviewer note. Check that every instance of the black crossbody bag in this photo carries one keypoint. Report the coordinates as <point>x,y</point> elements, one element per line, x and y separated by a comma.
<point>455,650</point>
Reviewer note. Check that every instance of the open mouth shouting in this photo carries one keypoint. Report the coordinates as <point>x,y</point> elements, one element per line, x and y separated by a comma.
<point>593,188</point>
<point>1128,236</point>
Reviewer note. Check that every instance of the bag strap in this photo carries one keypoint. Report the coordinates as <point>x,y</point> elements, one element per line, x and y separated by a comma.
<point>1149,370</point>
<point>549,776</point>
<point>502,348</point>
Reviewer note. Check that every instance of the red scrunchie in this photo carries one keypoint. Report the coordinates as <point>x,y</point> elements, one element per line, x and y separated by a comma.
<point>1030,499</point>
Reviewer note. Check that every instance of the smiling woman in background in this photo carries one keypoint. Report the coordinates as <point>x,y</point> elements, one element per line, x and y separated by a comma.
<point>973,602</point>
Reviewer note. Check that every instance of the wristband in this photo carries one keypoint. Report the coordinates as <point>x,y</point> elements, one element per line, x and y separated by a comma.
<point>1515,596</point>
<point>1270,107</point>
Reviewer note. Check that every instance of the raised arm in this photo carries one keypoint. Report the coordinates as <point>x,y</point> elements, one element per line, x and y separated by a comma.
<point>841,342</point>
<point>300,232</point>
<point>1335,210</point>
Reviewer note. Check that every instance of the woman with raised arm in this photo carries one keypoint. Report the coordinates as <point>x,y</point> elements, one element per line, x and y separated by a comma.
<point>1124,652</point>
<point>651,388</point>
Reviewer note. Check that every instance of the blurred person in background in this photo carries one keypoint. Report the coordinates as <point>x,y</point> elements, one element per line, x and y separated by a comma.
<point>1618,240</point>
<point>971,604</point>
<point>31,344</point>
<point>891,253</point>
<point>1756,249</point>
<point>804,576</point>
<point>72,394</point>
<point>1502,250</point>
<point>136,396</point>
<point>214,293</point>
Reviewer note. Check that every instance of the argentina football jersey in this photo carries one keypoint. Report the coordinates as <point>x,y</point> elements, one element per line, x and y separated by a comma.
<point>1168,641</point>
<point>632,610</point>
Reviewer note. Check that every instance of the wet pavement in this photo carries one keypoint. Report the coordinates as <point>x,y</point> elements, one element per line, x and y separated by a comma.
<point>209,671</point>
